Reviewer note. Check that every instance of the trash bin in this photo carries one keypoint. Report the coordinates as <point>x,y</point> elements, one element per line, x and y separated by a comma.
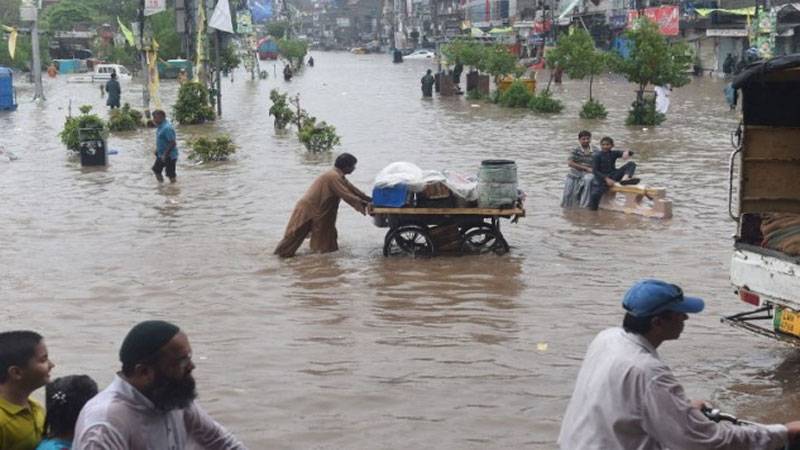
<point>92,147</point>
<point>397,56</point>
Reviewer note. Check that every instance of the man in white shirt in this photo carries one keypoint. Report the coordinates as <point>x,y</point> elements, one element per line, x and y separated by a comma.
<point>626,398</point>
<point>150,404</point>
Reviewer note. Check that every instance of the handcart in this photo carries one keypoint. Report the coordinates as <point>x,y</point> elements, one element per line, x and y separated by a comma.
<point>430,231</point>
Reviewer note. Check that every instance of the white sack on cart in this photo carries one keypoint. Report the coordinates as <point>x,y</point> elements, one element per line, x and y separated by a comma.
<point>462,185</point>
<point>401,173</point>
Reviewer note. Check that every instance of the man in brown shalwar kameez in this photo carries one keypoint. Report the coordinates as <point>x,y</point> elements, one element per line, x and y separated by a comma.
<point>315,213</point>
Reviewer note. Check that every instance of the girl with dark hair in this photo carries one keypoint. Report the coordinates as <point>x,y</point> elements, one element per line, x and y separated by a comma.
<point>65,398</point>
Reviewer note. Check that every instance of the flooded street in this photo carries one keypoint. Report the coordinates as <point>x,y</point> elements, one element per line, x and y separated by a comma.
<point>352,350</point>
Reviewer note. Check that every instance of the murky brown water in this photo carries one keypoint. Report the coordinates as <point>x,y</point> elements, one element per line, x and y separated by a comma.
<point>351,350</point>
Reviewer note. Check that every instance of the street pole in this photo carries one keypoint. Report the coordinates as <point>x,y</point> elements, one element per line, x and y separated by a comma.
<point>145,69</point>
<point>219,72</point>
<point>37,63</point>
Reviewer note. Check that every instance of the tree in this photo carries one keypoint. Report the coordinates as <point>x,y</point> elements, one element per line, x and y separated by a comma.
<point>169,42</point>
<point>294,50</point>
<point>63,15</point>
<point>576,54</point>
<point>580,57</point>
<point>468,52</point>
<point>278,29</point>
<point>9,12</point>
<point>652,61</point>
<point>500,61</point>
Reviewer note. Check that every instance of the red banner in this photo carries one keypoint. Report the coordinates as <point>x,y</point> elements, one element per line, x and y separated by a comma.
<point>666,17</point>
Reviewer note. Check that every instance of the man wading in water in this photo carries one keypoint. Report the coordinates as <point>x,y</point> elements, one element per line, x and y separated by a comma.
<point>315,213</point>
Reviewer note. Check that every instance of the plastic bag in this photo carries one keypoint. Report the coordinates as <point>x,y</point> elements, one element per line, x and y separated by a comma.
<point>401,173</point>
<point>462,185</point>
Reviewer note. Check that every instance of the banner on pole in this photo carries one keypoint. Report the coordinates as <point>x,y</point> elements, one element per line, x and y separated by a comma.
<point>221,19</point>
<point>666,17</point>
<point>260,9</point>
<point>154,6</point>
<point>12,39</point>
<point>126,32</point>
<point>152,70</point>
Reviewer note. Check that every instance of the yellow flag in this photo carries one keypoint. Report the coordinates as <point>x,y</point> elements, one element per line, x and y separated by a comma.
<point>126,32</point>
<point>12,39</point>
<point>152,70</point>
<point>12,43</point>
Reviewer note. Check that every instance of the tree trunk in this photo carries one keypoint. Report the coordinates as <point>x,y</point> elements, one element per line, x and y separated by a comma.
<point>549,80</point>
<point>591,79</point>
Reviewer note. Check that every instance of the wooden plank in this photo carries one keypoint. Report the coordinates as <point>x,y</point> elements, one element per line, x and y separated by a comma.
<point>652,192</point>
<point>449,211</point>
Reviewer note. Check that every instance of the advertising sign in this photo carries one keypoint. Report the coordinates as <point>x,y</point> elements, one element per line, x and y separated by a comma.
<point>154,6</point>
<point>666,17</point>
<point>260,9</point>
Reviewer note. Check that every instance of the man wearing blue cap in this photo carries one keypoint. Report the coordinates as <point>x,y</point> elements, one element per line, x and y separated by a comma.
<point>627,398</point>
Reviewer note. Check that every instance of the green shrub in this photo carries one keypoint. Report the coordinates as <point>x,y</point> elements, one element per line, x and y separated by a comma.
<point>124,119</point>
<point>545,103</point>
<point>218,148</point>
<point>494,97</point>
<point>280,109</point>
<point>475,94</point>
<point>70,134</point>
<point>317,137</point>
<point>593,110</point>
<point>516,96</point>
<point>293,50</point>
<point>644,113</point>
<point>193,106</point>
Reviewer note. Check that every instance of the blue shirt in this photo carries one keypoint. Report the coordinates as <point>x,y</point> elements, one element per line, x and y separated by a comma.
<point>164,135</point>
<point>54,444</point>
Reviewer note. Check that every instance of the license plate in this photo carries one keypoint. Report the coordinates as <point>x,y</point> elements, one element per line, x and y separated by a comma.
<point>789,322</point>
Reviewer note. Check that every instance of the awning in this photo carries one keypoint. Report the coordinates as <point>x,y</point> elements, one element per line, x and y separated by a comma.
<point>476,32</point>
<point>703,12</point>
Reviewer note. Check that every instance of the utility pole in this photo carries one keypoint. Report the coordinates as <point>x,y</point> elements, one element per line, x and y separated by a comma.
<point>218,69</point>
<point>288,15</point>
<point>143,55</point>
<point>30,12</point>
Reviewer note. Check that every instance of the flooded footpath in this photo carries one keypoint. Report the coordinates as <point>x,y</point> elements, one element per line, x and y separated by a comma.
<point>352,350</point>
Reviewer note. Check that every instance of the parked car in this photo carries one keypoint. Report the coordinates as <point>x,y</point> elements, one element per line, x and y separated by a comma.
<point>421,54</point>
<point>102,72</point>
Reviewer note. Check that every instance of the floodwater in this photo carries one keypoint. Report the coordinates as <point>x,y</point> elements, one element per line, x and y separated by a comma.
<point>353,350</point>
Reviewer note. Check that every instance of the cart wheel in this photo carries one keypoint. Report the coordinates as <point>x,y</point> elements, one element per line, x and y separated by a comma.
<point>484,239</point>
<point>412,240</point>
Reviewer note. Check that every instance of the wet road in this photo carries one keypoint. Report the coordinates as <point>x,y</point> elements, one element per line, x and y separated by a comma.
<point>351,350</point>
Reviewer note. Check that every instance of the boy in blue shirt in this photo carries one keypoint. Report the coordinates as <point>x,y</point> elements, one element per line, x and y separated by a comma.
<point>166,147</point>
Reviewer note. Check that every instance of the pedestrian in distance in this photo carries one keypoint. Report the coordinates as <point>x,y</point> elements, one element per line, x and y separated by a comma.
<point>24,367</point>
<point>315,213</point>
<point>729,65</point>
<point>427,82</point>
<point>626,397</point>
<point>150,404</point>
<point>605,172</point>
<point>166,147</point>
<point>114,91</point>
<point>64,399</point>
<point>310,61</point>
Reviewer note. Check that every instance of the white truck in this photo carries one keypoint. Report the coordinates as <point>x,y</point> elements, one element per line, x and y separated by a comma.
<point>765,268</point>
